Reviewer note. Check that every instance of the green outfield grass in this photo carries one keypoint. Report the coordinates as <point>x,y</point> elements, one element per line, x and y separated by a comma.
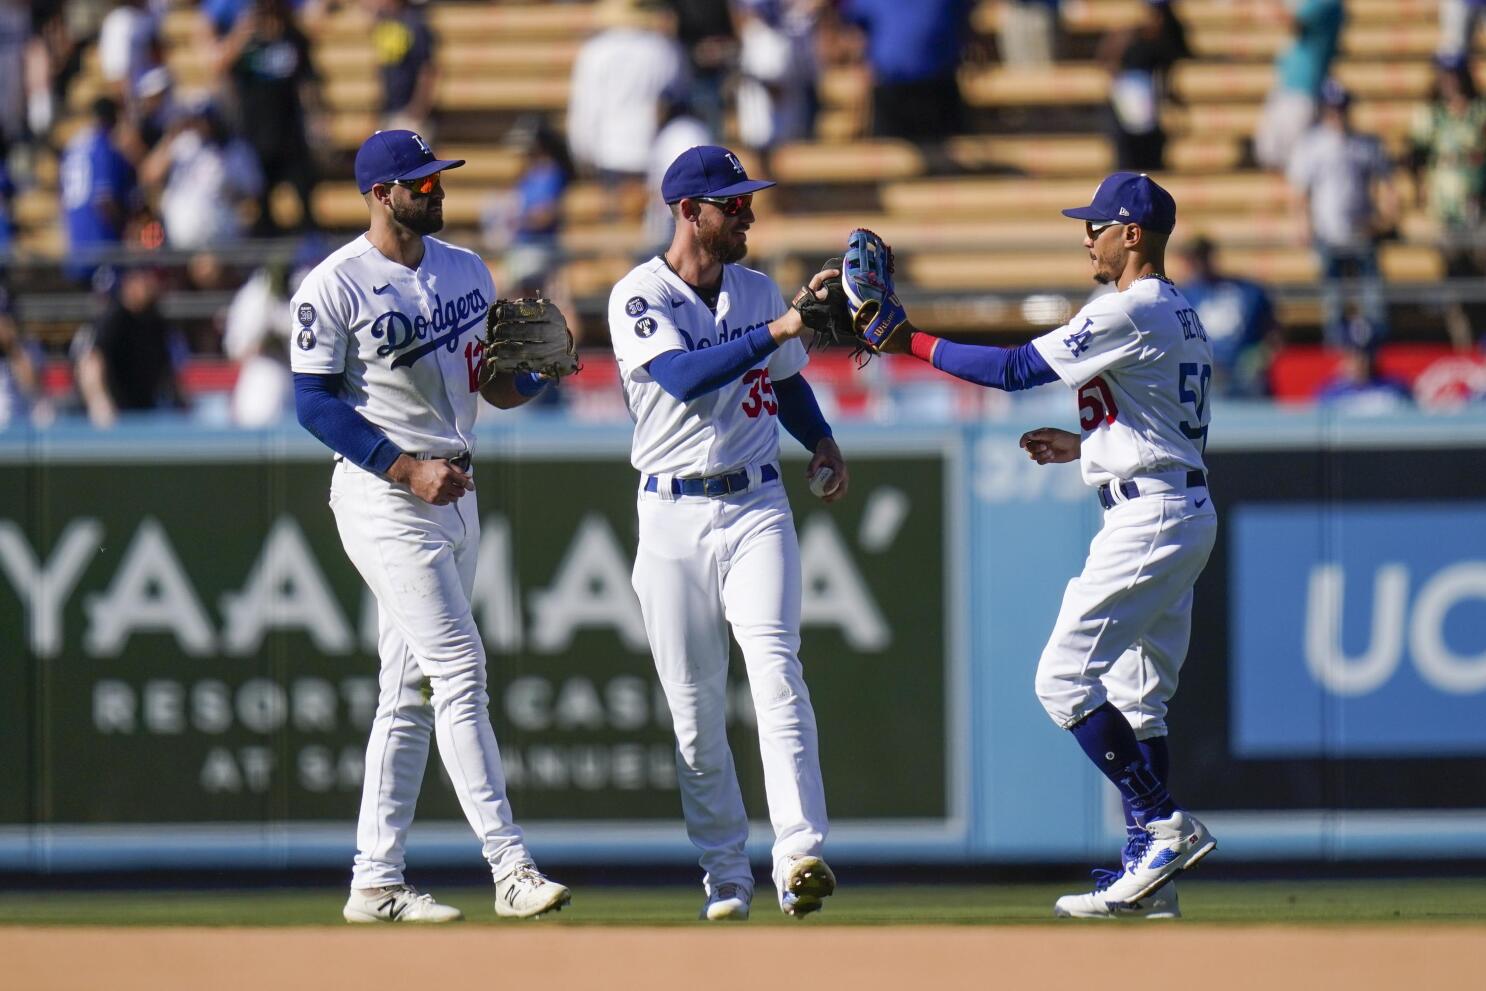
<point>1451,901</point>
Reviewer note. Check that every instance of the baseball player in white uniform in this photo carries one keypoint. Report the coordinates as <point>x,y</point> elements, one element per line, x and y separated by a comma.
<point>386,366</point>
<point>1140,364</point>
<point>710,359</point>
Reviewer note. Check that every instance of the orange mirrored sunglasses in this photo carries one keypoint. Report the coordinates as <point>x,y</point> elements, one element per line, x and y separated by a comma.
<point>422,186</point>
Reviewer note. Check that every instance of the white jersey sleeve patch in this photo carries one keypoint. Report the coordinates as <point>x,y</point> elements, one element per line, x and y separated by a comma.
<point>640,320</point>
<point>1101,337</point>
<point>317,339</point>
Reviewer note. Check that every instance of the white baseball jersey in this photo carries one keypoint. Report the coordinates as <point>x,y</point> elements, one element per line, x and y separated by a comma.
<point>652,311</point>
<point>1141,364</point>
<point>406,339</point>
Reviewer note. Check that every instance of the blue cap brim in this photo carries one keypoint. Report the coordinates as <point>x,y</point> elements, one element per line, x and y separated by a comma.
<point>736,189</point>
<point>1085,213</point>
<point>429,168</point>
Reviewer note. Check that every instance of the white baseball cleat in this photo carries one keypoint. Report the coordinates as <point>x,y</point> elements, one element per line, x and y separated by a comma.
<point>1176,844</point>
<point>1162,904</point>
<point>807,881</point>
<point>396,903</point>
<point>727,902</point>
<point>526,893</point>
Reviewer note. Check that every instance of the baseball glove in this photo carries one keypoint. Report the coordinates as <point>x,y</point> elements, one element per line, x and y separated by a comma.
<point>527,335</point>
<point>829,319</point>
<point>879,321</point>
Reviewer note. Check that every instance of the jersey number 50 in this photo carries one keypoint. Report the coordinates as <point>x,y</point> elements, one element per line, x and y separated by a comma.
<point>1196,393</point>
<point>760,398</point>
<point>1096,404</point>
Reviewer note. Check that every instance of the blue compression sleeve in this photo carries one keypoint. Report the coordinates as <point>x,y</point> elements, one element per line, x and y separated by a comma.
<point>1011,369</point>
<point>337,425</point>
<point>799,413</point>
<point>689,374</point>
<point>529,384</point>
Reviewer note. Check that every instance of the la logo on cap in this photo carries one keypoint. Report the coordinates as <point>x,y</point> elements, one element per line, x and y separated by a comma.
<point>422,145</point>
<point>733,161</point>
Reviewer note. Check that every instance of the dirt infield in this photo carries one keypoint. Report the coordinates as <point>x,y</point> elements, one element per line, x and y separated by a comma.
<point>631,959</point>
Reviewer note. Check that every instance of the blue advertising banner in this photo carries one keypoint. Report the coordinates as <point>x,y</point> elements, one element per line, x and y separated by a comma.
<point>1359,629</point>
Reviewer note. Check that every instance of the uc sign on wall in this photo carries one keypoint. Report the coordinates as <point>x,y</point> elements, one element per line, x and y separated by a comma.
<point>1360,631</point>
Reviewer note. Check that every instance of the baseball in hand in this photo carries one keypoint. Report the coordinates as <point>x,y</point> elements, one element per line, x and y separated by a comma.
<point>823,481</point>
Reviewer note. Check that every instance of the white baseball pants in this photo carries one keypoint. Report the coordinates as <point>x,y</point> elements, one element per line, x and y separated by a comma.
<point>1123,630</point>
<point>419,561</point>
<point>703,564</point>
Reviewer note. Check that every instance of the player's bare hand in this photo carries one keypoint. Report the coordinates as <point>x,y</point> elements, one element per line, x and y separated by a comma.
<point>818,281</point>
<point>1051,446</point>
<point>436,481</point>
<point>828,457</point>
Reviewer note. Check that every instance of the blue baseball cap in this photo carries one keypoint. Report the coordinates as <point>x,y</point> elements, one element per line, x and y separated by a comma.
<point>1130,198</point>
<point>707,170</point>
<point>388,156</point>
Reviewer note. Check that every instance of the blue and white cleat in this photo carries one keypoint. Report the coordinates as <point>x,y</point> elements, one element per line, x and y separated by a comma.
<point>1176,844</point>
<point>1162,904</point>
<point>727,903</point>
<point>805,883</point>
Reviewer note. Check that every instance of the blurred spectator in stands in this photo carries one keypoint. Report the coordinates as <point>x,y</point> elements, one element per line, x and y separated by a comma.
<point>777,72</point>
<point>1341,182</point>
<point>97,190</point>
<point>220,16</point>
<point>276,90</point>
<point>21,398</point>
<point>914,50</point>
<point>149,115</point>
<point>1458,22</point>
<point>126,362</point>
<point>619,77</point>
<point>405,46</point>
<point>128,47</point>
<point>706,32</point>
<point>15,32</point>
<point>680,129</point>
<point>61,34</point>
<point>1448,161</point>
<point>207,178</point>
<point>1239,319</point>
<point>530,220</point>
<point>256,336</point>
<point>1299,72</point>
<point>1027,32</point>
<point>1360,387</point>
<point>1140,60</point>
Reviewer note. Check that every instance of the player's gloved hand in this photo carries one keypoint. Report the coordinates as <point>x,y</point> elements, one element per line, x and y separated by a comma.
<point>823,308</point>
<point>527,335</point>
<point>1051,446</point>
<point>879,321</point>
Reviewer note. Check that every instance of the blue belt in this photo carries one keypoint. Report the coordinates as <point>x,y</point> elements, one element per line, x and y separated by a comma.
<point>712,486</point>
<point>1195,480</point>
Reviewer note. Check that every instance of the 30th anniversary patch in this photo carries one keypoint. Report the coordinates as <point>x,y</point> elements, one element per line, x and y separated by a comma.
<point>636,306</point>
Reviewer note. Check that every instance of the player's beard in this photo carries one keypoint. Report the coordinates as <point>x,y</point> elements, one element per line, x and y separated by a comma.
<point>720,243</point>
<point>419,216</point>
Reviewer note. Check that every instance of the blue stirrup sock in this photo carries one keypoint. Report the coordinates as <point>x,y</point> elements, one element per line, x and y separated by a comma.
<point>1108,740</point>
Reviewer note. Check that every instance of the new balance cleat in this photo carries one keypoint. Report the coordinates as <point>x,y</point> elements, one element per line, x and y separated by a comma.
<point>396,903</point>
<point>807,881</point>
<point>526,893</point>
<point>727,903</point>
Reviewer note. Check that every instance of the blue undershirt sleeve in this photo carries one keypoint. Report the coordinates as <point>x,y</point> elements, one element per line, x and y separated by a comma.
<point>689,374</point>
<point>337,425</point>
<point>799,413</point>
<point>1011,369</point>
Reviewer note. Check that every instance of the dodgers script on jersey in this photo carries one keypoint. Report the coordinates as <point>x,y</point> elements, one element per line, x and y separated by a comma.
<point>652,311</point>
<point>405,339</point>
<point>1141,364</point>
